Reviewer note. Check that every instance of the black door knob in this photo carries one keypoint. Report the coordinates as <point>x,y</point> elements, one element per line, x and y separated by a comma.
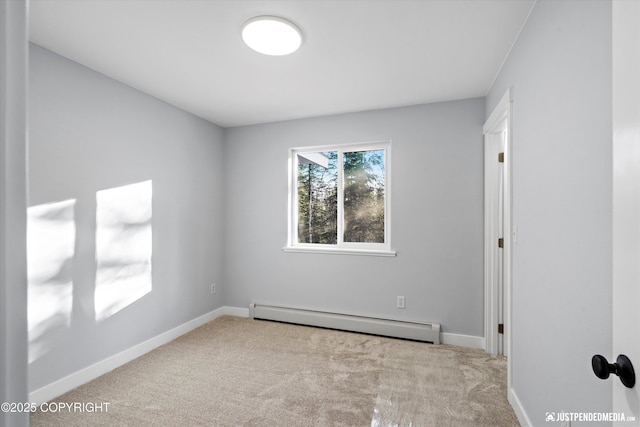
<point>622,368</point>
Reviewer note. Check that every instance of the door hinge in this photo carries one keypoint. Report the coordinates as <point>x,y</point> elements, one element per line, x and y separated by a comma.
<point>501,242</point>
<point>501,328</point>
<point>500,157</point>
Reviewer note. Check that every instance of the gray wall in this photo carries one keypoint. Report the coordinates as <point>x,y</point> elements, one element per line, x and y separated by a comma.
<point>560,71</point>
<point>13,195</point>
<point>437,218</point>
<point>90,133</point>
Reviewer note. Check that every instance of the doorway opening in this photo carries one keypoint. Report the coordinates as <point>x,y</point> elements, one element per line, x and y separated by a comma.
<point>498,236</point>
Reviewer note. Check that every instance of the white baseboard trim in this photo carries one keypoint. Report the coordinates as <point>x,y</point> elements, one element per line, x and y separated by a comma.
<point>235,311</point>
<point>63,385</point>
<point>462,340</point>
<point>521,414</point>
<point>445,337</point>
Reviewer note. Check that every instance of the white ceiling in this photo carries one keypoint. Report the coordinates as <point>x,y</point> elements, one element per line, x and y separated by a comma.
<point>356,55</point>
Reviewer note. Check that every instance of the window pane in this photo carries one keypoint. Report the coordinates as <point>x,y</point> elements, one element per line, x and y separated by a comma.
<point>318,197</point>
<point>364,192</point>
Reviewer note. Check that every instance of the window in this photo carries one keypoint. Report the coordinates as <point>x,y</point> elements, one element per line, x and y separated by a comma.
<point>339,199</point>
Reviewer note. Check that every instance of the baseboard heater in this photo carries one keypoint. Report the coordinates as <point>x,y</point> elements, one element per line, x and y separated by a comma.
<point>429,332</point>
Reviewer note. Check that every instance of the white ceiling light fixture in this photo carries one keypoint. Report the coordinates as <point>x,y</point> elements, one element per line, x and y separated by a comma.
<point>271,35</point>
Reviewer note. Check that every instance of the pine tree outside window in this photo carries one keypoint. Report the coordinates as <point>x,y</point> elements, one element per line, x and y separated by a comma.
<point>339,199</point>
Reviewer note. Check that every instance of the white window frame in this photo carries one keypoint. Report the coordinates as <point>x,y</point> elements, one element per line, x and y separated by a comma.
<point>375,249</point>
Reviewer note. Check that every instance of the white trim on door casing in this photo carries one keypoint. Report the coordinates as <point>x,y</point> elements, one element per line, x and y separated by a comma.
<point>498,122</point>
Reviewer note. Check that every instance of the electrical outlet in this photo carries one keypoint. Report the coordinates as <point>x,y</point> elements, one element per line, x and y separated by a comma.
<point>400,302</point>
<point>213,288</point>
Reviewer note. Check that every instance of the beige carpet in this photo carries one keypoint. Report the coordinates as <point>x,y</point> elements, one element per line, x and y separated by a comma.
<point>241,372</point>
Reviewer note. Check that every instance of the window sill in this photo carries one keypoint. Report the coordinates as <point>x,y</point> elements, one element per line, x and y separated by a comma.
<point>340,251</point>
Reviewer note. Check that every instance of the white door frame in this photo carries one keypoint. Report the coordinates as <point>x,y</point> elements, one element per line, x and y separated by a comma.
<point>499,122</point>
<point>13,209</point>
<point>626,201</point>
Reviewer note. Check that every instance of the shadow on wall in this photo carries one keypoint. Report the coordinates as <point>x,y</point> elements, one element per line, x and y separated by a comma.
<point>123,250</point>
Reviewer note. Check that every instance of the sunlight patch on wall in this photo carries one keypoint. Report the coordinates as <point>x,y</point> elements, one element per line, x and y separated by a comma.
<point>51,236</point>
<point>123,247</point>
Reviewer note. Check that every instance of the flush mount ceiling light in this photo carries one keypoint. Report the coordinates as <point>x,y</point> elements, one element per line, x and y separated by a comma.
<point>271,35</point>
